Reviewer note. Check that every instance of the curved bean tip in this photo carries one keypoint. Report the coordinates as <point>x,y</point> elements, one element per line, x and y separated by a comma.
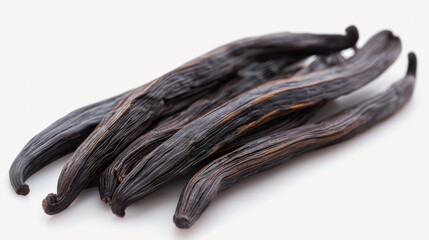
<point>49,204</point>
<point>352,33</point>
<point>389,35</point>
<point>182,221</point>
<point>412,64</point>
<point>118,211</point>
<point>392,36</point>
<point>23,190</point>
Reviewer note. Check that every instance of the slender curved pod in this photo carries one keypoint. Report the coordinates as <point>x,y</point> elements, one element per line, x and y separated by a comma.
<point>67,133</point>
<point>60,138</point>
<point>250,77</point>
<point>271,150</point>
<point>198,140</point>
<point>172,92</point>
<point>292,120</point>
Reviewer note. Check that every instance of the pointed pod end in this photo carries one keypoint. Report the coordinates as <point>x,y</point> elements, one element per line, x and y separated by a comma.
<point>389,33</point>
<point>412,64</point>
<point>23,190</point>
<point>49,204</point>
<point>118,211</point>
<point>353,34</point>
<point>182,221</point>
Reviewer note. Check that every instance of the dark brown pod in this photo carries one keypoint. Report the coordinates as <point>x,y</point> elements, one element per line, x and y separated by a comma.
<point>198,140</point>
<point>252,76</point>
<point>292,120</point>
<point>271,150</point>
<point>63,137</point>
<point>60,138</point>
<point>171,93</point>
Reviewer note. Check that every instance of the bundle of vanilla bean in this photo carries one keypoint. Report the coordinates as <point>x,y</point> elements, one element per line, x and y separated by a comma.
<point>238,110</point>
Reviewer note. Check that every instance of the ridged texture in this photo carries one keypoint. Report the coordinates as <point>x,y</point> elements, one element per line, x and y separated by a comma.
<point>60,138</point>
<point>273,149</point>
<point>253,75</point>
<point>195,142</point>
<point>250,77</point>
<point>172,92</point>
<point>67,133</point>
<point>295,119</point>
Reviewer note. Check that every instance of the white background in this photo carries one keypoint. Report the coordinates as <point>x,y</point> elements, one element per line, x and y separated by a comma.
<point>56,56</point>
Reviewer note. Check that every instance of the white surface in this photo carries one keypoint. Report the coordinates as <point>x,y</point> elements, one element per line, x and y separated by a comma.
<point>57,56</point>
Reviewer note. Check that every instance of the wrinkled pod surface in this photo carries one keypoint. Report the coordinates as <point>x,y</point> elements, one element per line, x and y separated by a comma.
<point>247,78</point>
<point>289,121</point>
<point>271,150</point>
<point>60,138</point>
<point>198,140</point>
<point>67,133</point>
<point>250,77</point>
<point>172,92</point>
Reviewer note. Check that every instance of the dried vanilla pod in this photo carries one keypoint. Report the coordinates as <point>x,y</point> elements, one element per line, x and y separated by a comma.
<point>60,138</point>
<point>252,76</point>
<point>196,141</point>
<point>292,120</point>
<point>171,93</point>
<point>271,150</point>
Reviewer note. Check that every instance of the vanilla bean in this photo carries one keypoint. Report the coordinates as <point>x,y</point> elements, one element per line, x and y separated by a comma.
<point>273,149</point>
<point>60,138</point>
<point>171,93</point>
<point>253,75</point>
<point>198,140</point>
<point>250,77</point>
